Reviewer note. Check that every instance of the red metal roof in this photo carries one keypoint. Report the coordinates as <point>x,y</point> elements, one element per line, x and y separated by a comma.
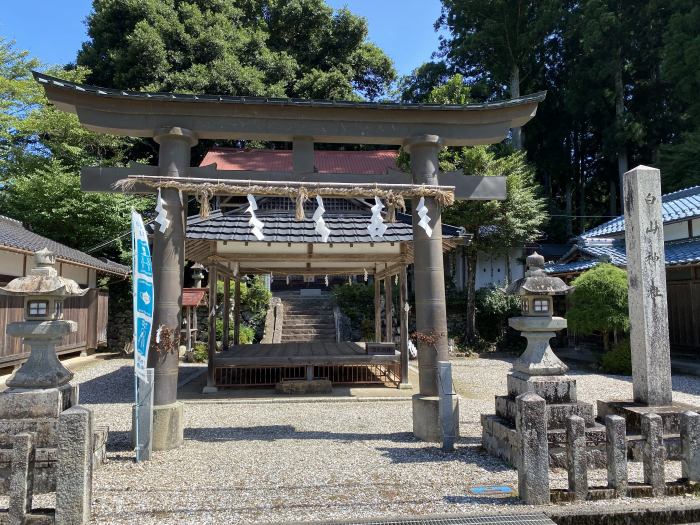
<point>193,296</point>
<point>363,162</point>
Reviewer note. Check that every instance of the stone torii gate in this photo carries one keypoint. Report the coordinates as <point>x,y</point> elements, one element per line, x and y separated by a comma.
<point>176,122</point>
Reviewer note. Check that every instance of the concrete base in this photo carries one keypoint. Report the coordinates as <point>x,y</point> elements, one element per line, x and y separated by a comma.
<point>633,412</point>
<point>209,390</point>
<point>168,426</point>
<point>405,386</point>
<point>426,418</point>
<point>302,387</point>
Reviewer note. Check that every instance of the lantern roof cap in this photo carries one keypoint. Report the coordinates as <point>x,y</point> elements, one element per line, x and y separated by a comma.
<point>43,279</point>
<point>536,280</point>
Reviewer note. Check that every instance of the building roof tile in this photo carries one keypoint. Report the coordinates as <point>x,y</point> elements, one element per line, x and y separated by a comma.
<point>14,235</point>
<point>676,206</point>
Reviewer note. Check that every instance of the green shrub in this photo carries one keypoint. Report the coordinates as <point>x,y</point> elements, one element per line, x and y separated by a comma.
<point>618,360</point>
<point>199,353</point>
<point>599,302</point>
<point>493,308</point>
<point>246,335</point>
<point>357,302</point>
<point>255,299</point>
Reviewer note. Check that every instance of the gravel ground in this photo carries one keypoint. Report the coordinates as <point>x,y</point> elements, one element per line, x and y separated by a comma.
<point>270,462</point>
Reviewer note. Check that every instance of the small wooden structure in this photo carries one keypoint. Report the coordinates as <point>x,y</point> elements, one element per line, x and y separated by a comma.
<point>192,298</point>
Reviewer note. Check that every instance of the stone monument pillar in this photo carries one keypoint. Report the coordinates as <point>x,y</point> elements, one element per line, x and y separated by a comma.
<point>431,316</point>
<point>648,308</point>
<point>168,277</point>
<point>541,372</point>
<point>646,275</point>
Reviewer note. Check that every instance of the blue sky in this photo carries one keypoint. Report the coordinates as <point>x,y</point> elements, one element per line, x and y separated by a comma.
<point>53,30</point>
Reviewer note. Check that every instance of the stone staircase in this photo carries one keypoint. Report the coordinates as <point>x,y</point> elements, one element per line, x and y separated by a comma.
<point>307,319</point>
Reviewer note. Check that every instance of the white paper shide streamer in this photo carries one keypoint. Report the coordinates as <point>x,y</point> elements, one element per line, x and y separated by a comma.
<point>424,221</point>
<point>162,217</point>
<point>256,224</point>
<point>376,227</point>
<point>321,227</point>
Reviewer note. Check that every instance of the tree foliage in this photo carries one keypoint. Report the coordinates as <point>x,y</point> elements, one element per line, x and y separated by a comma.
<point>277,48</point>
<point>599,302</point>
<point>42,152</point>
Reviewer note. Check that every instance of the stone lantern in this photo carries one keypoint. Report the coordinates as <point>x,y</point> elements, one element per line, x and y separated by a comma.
<point>44,327</point>
<point>197,275</point>
<point>537,323</point>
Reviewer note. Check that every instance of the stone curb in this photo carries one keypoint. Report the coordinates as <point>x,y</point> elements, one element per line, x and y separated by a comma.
<point>645,516</point>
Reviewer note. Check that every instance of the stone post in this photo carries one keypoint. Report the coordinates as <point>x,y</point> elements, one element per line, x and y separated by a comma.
<point>646,274</point>
<point>653,452</point>
<point>576,457</point>
<point>690,446</point>
<point>168,276</point>
<point>431,316</point>
<point>74,479</point>
<point>532,450</point>
<point>616,448</point>
<point>21,477</point>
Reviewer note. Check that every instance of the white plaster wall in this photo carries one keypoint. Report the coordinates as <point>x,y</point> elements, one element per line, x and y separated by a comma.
<point>78,273</point>
<point>11,263</point>
<point>492,270</point>
<point>676,230</point>
<point>696,227</point>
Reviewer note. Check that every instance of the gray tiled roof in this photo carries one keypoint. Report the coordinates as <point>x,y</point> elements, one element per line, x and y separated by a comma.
<point>14,235</point>
<point>676,206</point>
<point>686,251</point>
<point>280,227</point>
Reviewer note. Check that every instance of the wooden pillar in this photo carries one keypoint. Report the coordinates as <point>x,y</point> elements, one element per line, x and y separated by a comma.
<point>227,312</point>
<point>388,310</point>
<point>403,327</point>
<point>237,313</point>
<point>377,310</point>
<point>211,346</point>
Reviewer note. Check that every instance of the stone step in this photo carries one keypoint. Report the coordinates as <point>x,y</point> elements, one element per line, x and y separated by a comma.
<point>295,339</point>
<point>309,331</point>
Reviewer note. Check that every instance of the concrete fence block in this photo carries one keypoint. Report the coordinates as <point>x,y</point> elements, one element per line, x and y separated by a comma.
<point>616,449</point>
<point>75,456</point>
<point>533,453</point>
<point>576,457</point>
<point>690,445</point>
<point>653,453</point>
<point>21,478</point>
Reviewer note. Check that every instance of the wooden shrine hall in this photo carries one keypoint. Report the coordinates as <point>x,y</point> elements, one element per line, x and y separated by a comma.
<point>176,122</point>
<point>225,244</point>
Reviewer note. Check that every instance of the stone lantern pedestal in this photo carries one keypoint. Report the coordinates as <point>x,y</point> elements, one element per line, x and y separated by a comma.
<point>538,370</point>
<point>41,389</point>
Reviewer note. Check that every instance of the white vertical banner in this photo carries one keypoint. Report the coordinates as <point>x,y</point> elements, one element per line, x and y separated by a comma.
<point>142,273</point>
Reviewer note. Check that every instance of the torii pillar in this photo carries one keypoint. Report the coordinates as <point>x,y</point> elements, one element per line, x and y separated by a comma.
<point>431,314</point>
<point>168,275</point>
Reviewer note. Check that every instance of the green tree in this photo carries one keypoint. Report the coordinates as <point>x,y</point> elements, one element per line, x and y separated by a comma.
<point>495,226</point>
<point>293,48</point>
<point>599,303</point>
<point>42,152</point>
